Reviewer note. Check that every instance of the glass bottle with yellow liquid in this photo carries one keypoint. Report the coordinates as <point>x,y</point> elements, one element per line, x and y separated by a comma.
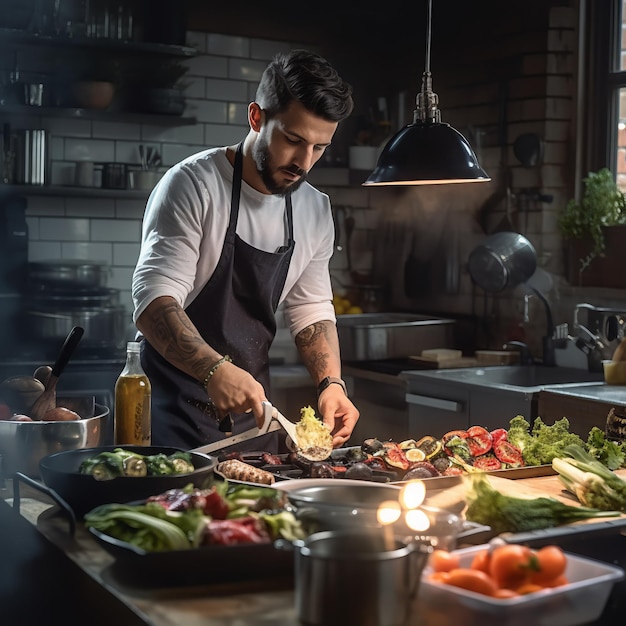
<point>133,396</point>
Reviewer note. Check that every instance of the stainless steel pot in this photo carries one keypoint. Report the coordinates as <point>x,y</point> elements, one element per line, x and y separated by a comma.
<point>104,326</point>
<point>502,261</point>
<point>356,577</point>
<point>69,273</point>
<point>61,298</point>
<point>24,444</point>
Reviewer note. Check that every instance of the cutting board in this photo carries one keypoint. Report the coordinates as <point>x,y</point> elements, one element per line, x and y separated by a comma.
<point>453,498</point>
<point>432,364</point>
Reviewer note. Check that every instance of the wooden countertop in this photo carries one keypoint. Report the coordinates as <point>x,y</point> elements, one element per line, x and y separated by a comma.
<point>257,603</point>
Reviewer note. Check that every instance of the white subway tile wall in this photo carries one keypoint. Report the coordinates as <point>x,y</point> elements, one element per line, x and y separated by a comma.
<point>222,79</point>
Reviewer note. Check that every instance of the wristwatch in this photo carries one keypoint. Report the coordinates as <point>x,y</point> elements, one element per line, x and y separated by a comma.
<point>329,380</point>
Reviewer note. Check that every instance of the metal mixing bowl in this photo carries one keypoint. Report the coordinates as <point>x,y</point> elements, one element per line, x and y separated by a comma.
<point>24,444</point>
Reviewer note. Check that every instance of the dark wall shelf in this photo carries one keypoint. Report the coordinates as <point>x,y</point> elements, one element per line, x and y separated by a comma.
<point>14,37</point>
<point>72,192</point>
<point>95,114</point>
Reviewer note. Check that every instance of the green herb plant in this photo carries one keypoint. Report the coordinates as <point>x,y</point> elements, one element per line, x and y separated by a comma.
<point>602,204</point>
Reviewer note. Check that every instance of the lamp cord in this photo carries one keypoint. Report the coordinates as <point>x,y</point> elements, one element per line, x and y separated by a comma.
<point>428,34</point>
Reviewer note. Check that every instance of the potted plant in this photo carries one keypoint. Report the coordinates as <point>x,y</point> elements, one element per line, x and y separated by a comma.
<point>591,226</point>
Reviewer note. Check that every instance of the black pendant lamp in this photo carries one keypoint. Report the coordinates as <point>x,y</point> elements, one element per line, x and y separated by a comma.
<point>428,151</point>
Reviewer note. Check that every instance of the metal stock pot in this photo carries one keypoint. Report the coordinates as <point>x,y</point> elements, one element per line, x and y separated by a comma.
<point>69,273</point>
<point>104,326</point>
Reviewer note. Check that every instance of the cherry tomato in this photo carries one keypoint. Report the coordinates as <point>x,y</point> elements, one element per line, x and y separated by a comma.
<point>550,562</point>
<point>558,581</point>
<point>526,588</point>
<point>487,462</point>
<point>478,440</point>
<point>481,561</point>
<point>499,434</point>
<point>443,561</point>
<point>508,453</point>
<point>439,577</point>
<point>505,594</point>
<point>472,580</point>
<point>510,565</point>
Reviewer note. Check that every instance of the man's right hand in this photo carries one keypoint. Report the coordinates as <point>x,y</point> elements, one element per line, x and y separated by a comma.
<point>233,390</point>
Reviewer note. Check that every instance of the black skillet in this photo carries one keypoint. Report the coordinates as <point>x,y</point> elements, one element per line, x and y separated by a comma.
<point>63,482</point>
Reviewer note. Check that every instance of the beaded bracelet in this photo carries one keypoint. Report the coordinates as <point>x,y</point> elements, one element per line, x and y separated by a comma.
<point>207,378</point>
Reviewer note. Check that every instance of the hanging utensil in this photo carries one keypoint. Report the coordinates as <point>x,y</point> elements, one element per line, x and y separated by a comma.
<point>47,400</point>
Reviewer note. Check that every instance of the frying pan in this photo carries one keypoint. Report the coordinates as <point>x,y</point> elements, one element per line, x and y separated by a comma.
<point>82,492</point>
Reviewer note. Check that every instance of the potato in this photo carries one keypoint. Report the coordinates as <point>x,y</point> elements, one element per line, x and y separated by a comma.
<point>60,414</point>
<point>20,392</point>
<point>21,418</point>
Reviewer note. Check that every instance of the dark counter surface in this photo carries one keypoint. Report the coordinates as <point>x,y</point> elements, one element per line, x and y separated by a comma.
<point>40,584</point>
<point>48,576</point>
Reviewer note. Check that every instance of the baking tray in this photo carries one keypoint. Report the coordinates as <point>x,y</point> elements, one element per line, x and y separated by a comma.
<point>198,566</point>
<point>290,471</point>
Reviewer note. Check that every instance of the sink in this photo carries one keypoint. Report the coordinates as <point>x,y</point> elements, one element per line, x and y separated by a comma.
<point>520,376</point>
<point>444,400</point>
<point>533,376</point>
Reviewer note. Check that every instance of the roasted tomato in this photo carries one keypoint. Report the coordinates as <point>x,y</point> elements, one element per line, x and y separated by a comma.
<point>509,454</point>
<point>487,463</point>
<point>396,458</point>
<point>376,463</point>
<point>498,435</point>
<point>453,433</point>
<point>453,470</point>
<point>479,440</point>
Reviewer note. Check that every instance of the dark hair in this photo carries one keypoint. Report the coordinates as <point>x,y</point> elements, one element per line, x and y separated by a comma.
<point>310,80</point>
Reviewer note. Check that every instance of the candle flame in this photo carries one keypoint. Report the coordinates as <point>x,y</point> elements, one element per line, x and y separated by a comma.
<point>417,520</point>
<point>412,494</point>
<point>388,512</point>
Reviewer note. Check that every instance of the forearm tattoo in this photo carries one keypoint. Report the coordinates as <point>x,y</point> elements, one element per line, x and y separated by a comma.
<point>178,340</point>
<point>313,345</point>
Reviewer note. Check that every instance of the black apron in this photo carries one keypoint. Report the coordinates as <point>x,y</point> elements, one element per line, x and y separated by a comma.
<point>235,314</point>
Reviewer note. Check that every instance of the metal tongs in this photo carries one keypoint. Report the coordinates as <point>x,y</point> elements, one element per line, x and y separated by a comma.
<point>273,420</point>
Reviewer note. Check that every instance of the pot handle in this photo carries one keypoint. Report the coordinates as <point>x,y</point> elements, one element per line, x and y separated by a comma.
<point>71,518</point>
<point>288,546</point>
<point>418,558</point>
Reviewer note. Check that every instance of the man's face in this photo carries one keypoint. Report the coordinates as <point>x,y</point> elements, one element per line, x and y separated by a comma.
<point>288,146</point>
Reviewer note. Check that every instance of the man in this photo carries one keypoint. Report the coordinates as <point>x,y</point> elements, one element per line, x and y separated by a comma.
<point>228,235</point>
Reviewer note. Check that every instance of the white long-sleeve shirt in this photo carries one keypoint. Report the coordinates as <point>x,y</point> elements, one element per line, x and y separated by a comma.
<point>185,225</point>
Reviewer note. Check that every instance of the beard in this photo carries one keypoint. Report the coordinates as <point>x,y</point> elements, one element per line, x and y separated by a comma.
<point>268,172</point>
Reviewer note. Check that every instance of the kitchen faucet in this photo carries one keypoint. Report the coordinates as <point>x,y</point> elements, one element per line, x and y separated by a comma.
<point>547,342</point>
<point>525,355</point>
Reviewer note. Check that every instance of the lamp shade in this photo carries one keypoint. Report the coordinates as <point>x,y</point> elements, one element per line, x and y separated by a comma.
<point>427,153</point>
